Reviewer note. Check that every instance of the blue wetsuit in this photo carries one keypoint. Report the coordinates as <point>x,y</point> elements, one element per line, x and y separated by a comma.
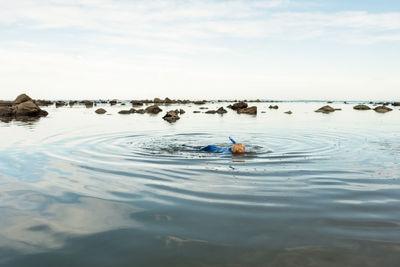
<point>218,149</point>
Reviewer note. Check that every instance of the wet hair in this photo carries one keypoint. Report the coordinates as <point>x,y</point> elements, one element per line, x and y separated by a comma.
<point>238,148</point>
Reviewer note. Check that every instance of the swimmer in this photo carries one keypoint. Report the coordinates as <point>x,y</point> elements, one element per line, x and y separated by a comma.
<point>235,149</point>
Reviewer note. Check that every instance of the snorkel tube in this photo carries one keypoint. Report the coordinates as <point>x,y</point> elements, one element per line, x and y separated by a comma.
<point>233,141</point>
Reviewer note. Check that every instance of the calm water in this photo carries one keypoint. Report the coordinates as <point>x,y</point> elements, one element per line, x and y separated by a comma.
<point>81,189</point>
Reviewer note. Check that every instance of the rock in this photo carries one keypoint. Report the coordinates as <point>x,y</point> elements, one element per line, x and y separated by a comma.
<point>21,99</point>
<point>239,105</point>
<point>201,102</point>
<point>129,111</point>
<point>361,107</point>
<point>72,102</point>
<point>250,110</point>
<point>136,103</point>
<point>154,109</point>
<point>289,112</point>
<point>6,103</point>
<point>203,107</point>
<point>171,116</point>
<point>169,101</point>
<point>113,102</point>
<point>221,110</point>
<point>263,112</point>
<point>181,111</point>
<point>60,104</point>
<point>88,103</point>
<point>396,104</point>
<point>325,109</point>
<point>28,109</point>
<point>43,102</point>
<point>211,112</point>
<point>273,107</point>
<point>196,111</point>
<point>6,111</point>
<point>140,111</point>
<point>100,111</point>
<point>382,109</point>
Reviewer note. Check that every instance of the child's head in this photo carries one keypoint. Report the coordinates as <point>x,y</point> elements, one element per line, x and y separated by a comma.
<point>238,148</point>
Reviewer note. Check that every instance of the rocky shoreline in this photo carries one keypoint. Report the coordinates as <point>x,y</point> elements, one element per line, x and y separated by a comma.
<point>25,108</point>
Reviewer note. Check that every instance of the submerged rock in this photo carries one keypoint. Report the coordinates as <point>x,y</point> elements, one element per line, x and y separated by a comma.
<point>382,109</point>
<point>250,110</point>
<point>239,105</point>
<point>171,116</point>
<point>211,112</point>
<point>196,111</point>
<point>100,111</point>
<point>273,107</point>
<point>154,109</point>
<point>289,112</point>
<point>325,109</point>
<point>361,107</point>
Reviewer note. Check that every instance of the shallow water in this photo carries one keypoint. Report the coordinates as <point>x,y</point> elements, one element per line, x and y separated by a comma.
<point>81,189</point>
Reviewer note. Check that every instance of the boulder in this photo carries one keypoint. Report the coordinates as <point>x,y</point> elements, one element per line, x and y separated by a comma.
<point>137,103</point>
<point>43,102</point>
<point>129,111</point>
<point>157,100</point>
<point>60,104</point>
<point>325,109</point>
<point>239,105</point>
<point>154,109</point>
<point>100,111</point>
<point>169,101</point>
<point>21,99</point>
<point>361,107</point>
<point>382,109</point>
<point>250,110</point>
<point>171,116</point>
<point>6,103</point>
<point>88,103</point>
<point>273,107</point>
<point>28,109</point>
<point>6,111</point>
<point>113,102</point>
<point>221,110</point>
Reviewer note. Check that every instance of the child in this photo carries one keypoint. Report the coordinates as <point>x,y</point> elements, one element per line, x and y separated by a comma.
<point>236,148</point>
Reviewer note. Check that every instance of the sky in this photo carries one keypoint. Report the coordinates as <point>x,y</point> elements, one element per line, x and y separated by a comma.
<point>209,49</point>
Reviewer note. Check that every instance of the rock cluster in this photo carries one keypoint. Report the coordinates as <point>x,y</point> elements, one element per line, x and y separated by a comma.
<point>221,110</point>
<point>154,109</point>
<point>23,107</point>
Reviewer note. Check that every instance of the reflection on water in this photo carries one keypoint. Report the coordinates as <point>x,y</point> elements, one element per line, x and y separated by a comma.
<point>79,189</point>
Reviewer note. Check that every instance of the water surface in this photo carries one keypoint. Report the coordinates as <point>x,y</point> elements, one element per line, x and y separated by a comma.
<point>81,189</point>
